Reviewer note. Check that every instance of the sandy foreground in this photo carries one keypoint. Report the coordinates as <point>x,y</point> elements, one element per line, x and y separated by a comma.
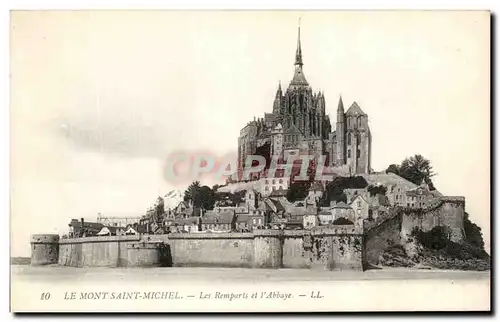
<point>187,289</point>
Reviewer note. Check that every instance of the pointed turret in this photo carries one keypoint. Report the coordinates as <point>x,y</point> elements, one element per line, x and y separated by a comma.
<point>340,110</point>
<point>277,100</point>
<point>340,131</point>
<point>341,105</point>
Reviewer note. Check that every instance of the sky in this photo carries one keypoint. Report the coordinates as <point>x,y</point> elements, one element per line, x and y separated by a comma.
<point>100,99</point>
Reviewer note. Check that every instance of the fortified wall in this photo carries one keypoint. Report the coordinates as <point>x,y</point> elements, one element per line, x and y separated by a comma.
<point>397,224</point>
<point>447,211</point>
<point>333,248</point>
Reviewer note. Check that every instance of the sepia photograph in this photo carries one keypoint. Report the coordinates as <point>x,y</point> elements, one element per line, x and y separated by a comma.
<point>250,161</point>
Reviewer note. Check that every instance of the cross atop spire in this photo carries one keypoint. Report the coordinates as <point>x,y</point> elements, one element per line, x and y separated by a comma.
<point>298,53</point>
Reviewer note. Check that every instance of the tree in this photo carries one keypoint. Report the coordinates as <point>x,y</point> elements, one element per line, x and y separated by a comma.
<point>375,190</point>
<point>298,190</point>
<point>334,192</point>
<point>394,168</point>
<point>158,210</point>
<point>473,233</point>
<point>436,238</point>
<point>238,196</point>
<point>191,191</point>
<point>414,169</point>
<point>200,196</point>
<point>204,198</point>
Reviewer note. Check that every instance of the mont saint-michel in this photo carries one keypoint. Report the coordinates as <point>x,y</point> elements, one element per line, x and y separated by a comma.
<point>350,217</point>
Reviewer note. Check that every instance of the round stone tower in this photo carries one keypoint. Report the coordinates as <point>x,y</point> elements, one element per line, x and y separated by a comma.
<point>268,248</point>
<point>44,249</point>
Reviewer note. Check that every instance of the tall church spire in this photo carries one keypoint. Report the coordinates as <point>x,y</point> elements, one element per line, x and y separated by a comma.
<point>298,53</point>
<point>298,77</point>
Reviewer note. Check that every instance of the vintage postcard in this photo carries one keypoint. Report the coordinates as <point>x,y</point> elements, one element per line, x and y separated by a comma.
<point>250,161</point>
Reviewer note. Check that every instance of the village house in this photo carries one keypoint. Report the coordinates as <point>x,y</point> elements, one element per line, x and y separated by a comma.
<point>83,228</point>
<point>218,221</point>
<point>131,230</point>
<point>257,219</point>
<point>182,207</point>
<point>145,222</point>
<point>378,205</point>
<point>353,193</point>
<point>111,231</point>
<point>242,223</point>
<point>185,225</point>
<point>420,197</point>
<point>361,208</point>
<point>294,223</point>
<point>325,218</point>
<point>274,206</point>
<point>157,228</point>
<point>252,199</point>
<point>269,185</point>
<point>340,210</point>
<point>242,209</point>
<point>310,221</point>
<point>315,193</point>
<point>278,193</point>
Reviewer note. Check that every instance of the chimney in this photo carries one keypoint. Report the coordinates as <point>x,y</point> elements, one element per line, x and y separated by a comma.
<point>82,228</point>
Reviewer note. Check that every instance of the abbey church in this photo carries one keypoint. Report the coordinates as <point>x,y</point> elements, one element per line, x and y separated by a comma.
<point>299,125</point>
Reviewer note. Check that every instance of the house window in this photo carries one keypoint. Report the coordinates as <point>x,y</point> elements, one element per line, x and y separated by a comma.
<point>274,181</point>
<point>359,204</point>
<point>281,181</point>
<point>267,189</point>
<point>274,188</point>
<point>349,138</point>
<point>267,181</point>
<point>348,153</point>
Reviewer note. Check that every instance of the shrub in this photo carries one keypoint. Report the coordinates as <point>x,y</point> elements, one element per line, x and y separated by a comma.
<point>436,238</point>
<point>375,190</point>
<point>473,233</point>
